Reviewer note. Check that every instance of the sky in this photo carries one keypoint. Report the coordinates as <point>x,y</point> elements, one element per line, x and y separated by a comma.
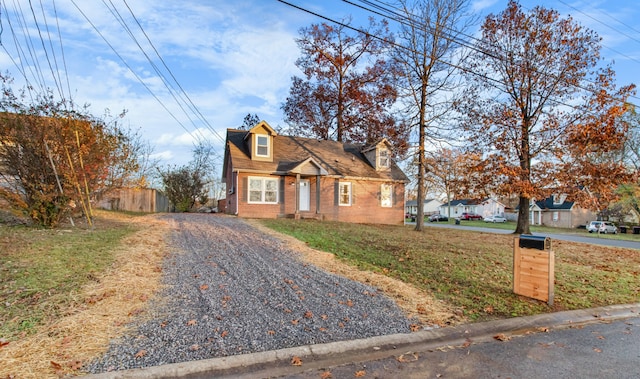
<point>188,70</point>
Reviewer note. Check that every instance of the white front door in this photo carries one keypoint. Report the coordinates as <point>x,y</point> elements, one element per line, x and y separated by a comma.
<point>305,194</point>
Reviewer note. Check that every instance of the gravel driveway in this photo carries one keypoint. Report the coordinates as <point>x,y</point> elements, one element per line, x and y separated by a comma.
<point>231,289</point>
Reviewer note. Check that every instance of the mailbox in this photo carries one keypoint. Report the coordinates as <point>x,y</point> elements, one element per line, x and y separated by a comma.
<point>533,267</point>
<point>535,242</point>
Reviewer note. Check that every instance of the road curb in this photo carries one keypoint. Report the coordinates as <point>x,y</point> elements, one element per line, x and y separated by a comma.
<point>279,362</point>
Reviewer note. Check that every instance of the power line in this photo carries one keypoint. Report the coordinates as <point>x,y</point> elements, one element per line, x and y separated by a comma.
<point>131,70</point>
<point>400,17</point>
<point>189,101</point>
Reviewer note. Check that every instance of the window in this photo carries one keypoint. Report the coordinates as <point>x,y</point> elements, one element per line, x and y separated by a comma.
<point>263,190</point>
<point>262,146</point>
<point>344,194</point>
<point>555,216</point>
<point>386,192</point>
<point>383,158</point>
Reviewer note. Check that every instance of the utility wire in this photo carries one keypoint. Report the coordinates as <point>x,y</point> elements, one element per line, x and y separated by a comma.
<point>399,17</point>
<point>54,73</point>
<point>190,102</point>
<point>120,19</point>
<point>494,82</point>
<point>131,70</point>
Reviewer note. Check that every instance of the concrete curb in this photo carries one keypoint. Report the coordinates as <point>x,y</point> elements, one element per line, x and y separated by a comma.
<point>278,362</point>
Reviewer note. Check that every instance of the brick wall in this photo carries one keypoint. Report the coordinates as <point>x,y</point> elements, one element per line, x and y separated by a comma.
<point>365,207</point>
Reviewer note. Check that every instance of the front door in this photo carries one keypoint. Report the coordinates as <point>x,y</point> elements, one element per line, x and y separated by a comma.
<point>305,195</point>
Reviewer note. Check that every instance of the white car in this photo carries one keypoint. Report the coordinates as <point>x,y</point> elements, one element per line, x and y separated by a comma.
<point>602,227</point>
<point>495,219</point>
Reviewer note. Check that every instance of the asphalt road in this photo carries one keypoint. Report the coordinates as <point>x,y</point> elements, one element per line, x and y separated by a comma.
<point>600,350</point>
<point>587,238</point>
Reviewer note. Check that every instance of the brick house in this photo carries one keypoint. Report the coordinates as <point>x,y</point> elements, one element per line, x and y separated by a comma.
<point>270,175</point>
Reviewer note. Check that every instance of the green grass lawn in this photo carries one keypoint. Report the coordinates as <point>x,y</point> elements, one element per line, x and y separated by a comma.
<point>471,270</point>
<point>42,270</point>
<point>546,229</point>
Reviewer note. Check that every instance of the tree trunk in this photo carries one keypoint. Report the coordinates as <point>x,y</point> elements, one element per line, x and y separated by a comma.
<point>523,216</point>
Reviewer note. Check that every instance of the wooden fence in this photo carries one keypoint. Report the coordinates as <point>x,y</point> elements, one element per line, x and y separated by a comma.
<point>135,200</point>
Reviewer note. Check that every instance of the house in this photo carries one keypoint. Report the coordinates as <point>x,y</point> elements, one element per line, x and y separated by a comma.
<point>270,175</point>
<point>485,208</point>
<point>557,211</point>
<point>429,206</point>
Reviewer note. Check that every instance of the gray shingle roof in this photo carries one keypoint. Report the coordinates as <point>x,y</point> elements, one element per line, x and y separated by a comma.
<point>338,159</point>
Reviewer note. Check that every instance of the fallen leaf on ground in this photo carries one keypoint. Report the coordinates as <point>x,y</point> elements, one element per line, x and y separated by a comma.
<point>204,287</point>
<point>56,366</point>
<point>140,354</point>
<point>359,374</point>
<point>502,337</point>
<point>192,322</point>
<point>407,357</point>
<point>326,375</point>
<point>296,361</point>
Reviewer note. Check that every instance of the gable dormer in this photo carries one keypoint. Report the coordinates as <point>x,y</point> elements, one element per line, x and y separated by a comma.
<point>259,140</point>
<point>379,155</point>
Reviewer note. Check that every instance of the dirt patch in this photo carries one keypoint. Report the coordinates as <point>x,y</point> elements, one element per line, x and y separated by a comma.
<point>413,301</point>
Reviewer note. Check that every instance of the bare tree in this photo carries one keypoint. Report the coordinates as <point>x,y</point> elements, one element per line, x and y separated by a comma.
<point>426,48</point>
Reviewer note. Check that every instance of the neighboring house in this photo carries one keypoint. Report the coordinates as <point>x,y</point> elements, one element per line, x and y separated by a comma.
<point>557,211</point>
<point>485,208</point>
<point>429,206</point>
<point>270,175</point>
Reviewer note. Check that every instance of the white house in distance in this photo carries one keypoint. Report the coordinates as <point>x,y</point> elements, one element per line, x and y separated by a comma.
<point>430,206</point>
<point>485,208</point>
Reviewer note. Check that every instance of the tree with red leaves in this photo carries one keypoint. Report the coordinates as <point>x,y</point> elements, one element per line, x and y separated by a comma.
<point>348,89</point>
<point>542,112</point>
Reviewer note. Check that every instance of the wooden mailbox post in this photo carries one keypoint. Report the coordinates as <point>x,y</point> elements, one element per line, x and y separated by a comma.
<point>533,267</point>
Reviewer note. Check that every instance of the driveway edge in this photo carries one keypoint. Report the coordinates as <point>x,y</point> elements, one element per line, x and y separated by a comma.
<point>279,362</point>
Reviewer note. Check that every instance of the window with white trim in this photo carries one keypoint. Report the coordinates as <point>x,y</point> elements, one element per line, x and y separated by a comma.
<point>262,146</point>
<point>344,193</point>
<point>556,216</point>
<point>386,194</point>
<point>383,158</point>
<point>263,190</point>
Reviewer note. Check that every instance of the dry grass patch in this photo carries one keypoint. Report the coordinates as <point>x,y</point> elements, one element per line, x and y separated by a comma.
<point>98,311</point>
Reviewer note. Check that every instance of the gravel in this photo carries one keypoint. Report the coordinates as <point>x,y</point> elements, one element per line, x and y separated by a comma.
<point>230,289</point>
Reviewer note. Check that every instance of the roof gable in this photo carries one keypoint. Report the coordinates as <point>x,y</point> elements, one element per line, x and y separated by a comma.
<point>292,154</point>
<point>549,203</point>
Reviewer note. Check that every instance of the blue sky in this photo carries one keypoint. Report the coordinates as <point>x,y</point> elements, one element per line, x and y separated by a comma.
<point>220,59</point>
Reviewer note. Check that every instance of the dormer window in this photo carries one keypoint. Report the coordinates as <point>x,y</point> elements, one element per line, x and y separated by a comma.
<point>383,158</point>
<point>262,146</point>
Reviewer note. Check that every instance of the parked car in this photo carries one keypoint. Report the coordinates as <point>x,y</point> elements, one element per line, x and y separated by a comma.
<point>470,216</point>
<point>438,217</point>
<point>495,218</point>
<point>602,227</point>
